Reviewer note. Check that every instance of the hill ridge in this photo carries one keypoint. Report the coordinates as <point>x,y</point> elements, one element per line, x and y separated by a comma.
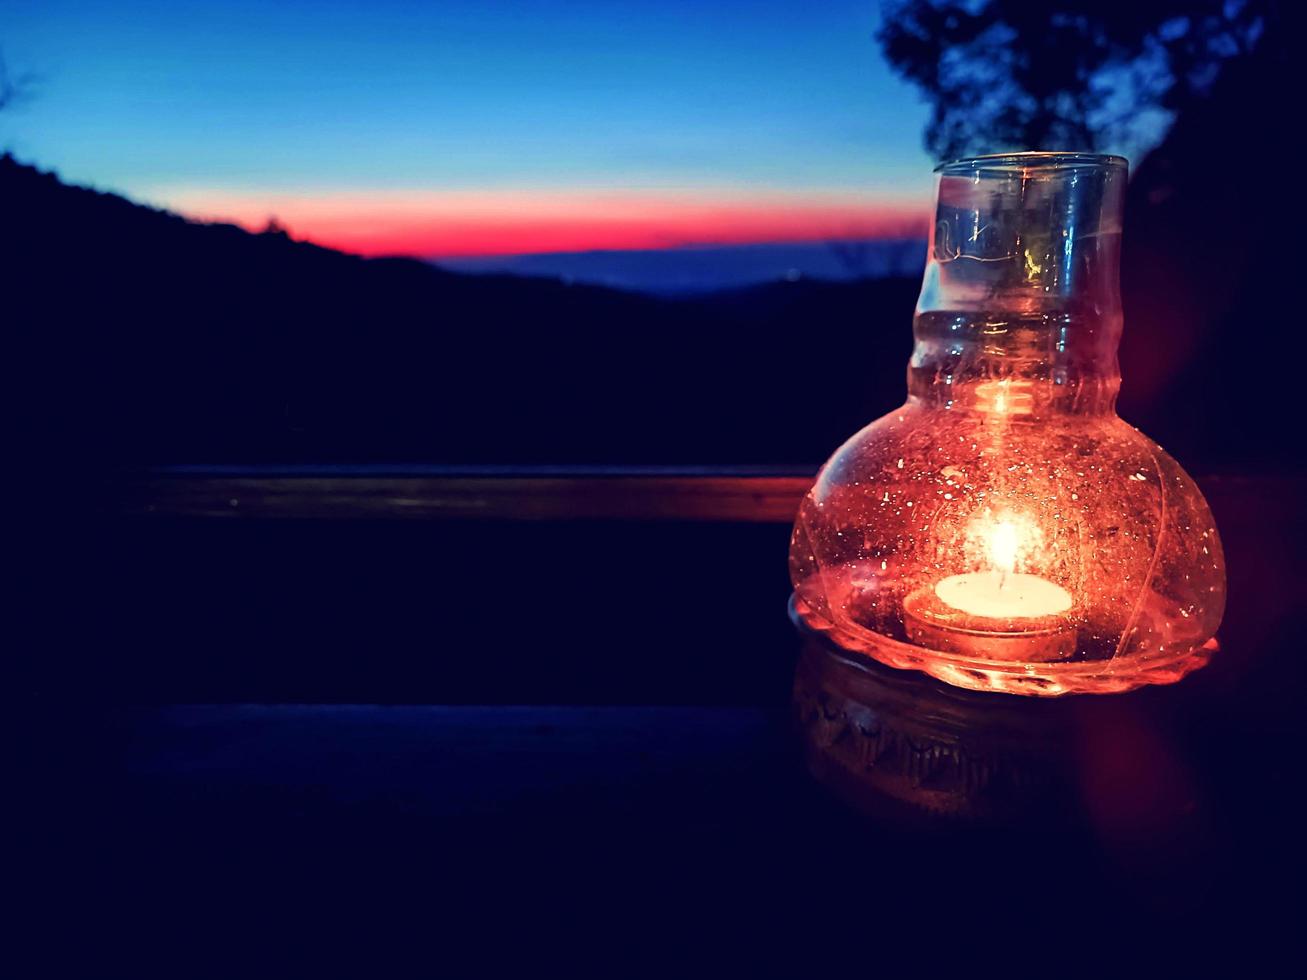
<point>168,341</point>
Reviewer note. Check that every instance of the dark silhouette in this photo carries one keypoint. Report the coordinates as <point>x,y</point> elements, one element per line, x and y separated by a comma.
<point>150,338</point>
<point>167,340</point>
<point>1204,270</point>
<point>1070,75</point>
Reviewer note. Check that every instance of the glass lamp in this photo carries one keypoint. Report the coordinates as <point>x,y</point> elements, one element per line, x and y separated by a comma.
<point>1005,530</point>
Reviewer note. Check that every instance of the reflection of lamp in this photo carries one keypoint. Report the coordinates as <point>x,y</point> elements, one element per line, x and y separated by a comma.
<point>896,743</point>
<point>1004,529</point>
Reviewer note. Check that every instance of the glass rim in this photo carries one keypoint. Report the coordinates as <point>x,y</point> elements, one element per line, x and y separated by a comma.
<point>1029,160</point>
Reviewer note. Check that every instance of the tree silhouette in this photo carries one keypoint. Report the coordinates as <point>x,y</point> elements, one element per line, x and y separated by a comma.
<point>1066,75</point>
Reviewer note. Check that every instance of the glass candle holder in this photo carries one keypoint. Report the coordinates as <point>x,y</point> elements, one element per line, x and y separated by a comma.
<point>1004,529</point>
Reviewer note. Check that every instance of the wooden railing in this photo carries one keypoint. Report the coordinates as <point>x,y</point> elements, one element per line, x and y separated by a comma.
<point>442,492</point>
<point>764,495</point>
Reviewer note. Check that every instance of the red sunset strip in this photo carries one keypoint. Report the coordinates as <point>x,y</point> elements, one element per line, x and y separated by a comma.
<point>487,224</point>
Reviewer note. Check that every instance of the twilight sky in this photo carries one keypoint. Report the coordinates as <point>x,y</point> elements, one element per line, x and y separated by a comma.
<point>466,127</point>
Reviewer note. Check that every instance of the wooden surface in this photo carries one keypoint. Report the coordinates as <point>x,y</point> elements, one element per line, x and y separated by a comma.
<point>173,605</point>
<point>450,494</point>
<point>763,495</point>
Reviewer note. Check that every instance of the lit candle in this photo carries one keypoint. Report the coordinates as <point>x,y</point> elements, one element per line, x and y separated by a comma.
<point>1003,595</point>
<point>1002,592</point>
<point>994,614</point>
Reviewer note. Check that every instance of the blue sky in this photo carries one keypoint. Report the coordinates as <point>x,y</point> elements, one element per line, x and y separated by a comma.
<point>263,107</point>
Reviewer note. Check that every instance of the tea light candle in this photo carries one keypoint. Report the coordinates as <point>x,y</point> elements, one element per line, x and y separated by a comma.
<point>1003,595</point>
<point>995,614</point>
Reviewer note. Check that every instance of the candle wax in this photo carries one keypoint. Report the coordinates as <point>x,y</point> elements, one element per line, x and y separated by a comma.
<point>1000,595</point>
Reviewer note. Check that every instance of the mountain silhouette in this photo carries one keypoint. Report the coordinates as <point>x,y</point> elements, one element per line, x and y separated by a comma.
<point>159,339</point>
<point>144,337</point>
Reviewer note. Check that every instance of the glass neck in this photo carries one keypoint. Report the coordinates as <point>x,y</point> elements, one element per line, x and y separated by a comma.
<point>1020,308</point>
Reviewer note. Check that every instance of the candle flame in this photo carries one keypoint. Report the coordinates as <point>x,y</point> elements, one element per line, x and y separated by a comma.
<point>1003,543</point>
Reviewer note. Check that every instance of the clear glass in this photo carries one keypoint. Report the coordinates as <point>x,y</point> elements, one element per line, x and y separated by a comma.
<point>1005,530</point>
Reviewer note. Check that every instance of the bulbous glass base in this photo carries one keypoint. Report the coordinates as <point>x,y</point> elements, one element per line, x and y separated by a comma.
<point>1058,555</point>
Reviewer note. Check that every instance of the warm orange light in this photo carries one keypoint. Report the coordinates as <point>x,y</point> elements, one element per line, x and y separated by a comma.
<point>1004,529</point>
<point>1003,546</point>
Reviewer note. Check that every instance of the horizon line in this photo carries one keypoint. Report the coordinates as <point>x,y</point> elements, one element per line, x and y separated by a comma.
<point>463,224</point>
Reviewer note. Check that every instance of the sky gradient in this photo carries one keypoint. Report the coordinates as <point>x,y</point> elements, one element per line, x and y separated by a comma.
<point>479,128</point>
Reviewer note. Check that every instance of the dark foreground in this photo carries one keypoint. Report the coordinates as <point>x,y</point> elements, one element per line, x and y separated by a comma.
<point>598,764</point>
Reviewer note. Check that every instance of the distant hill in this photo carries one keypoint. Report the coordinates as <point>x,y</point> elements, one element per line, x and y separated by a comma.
<point>683,271</point>
<point>154,338</point>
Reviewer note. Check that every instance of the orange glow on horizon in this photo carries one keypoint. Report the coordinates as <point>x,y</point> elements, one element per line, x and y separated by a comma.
<point>452,224</point>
